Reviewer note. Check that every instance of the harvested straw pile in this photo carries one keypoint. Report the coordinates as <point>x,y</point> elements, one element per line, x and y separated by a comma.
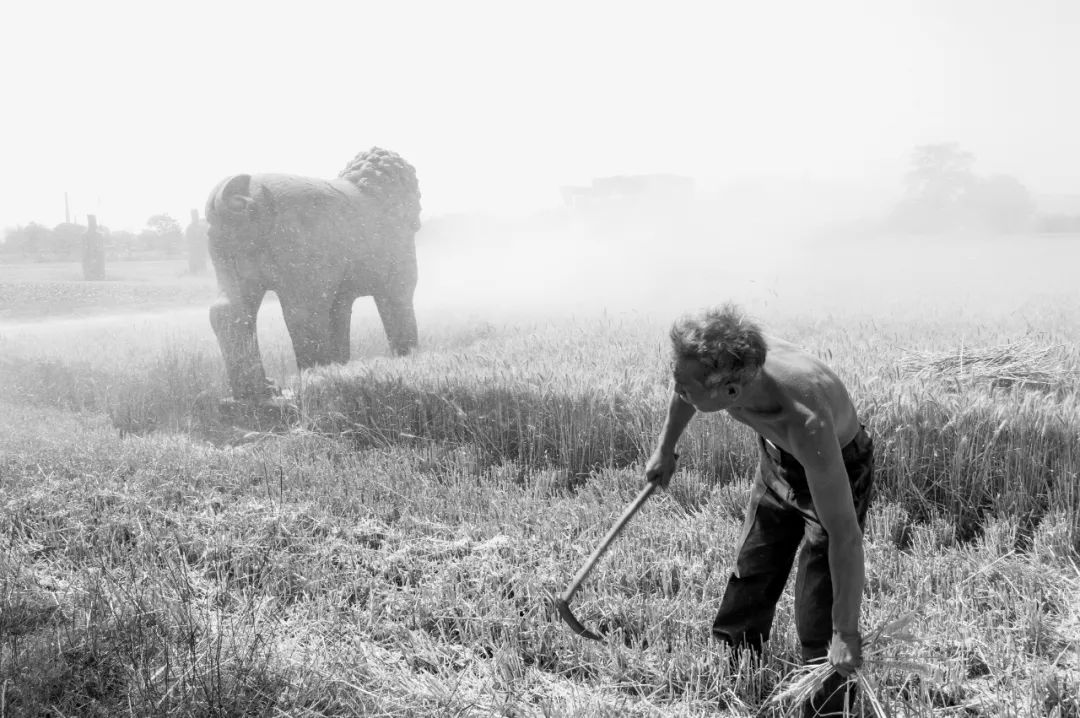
<point>886,650</point>
<point>1017,364</point>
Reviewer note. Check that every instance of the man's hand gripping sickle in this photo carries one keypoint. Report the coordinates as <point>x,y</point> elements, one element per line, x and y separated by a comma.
<point>660,467</point>
<point>845,652</point>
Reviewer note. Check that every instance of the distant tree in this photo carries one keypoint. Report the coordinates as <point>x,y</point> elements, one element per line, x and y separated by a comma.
<point>940,172</point>
<point>66,239</point>
<point>29,240</point>
<point>1000,204</point>
<point>944,193</point>
<point>163,224</point>
<point>121,243</point>
<point>939,179</point>
<point>163,233</point>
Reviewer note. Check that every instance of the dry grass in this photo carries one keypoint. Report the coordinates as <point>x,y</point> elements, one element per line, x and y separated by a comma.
<point>33,291</point>
<point>1018,364</point>
<point>881,657</point>
<point>391,551</point>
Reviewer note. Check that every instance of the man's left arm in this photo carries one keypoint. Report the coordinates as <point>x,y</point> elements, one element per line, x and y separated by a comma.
<point>816,447</point>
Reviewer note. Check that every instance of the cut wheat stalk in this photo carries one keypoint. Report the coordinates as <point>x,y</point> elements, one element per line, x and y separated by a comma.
<point>880,655</point>
<point>1016,364</point>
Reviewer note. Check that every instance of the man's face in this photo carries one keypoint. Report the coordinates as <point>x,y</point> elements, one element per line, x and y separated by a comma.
<point>690,375</point>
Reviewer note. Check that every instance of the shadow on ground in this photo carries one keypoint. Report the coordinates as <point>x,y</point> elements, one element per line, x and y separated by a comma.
<point>229,422</point>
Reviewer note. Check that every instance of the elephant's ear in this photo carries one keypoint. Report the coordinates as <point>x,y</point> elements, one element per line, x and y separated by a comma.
<point>232,200</point>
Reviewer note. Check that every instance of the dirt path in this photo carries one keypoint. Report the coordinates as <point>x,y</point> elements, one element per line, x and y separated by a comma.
<point>107,317</point>
<point>103,319</point>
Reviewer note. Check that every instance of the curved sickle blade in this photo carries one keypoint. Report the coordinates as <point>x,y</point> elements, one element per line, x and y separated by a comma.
<point>563,606</point>
<point>562,603</point>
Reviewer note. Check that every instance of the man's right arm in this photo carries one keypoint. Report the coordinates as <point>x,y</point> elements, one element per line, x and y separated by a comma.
<point>661,464</point>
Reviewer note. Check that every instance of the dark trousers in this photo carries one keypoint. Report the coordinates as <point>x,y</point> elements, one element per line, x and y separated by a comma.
<point>780,516</point>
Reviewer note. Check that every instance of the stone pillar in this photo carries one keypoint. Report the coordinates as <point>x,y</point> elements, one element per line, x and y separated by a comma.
<point>93,251</point>
<point>196,243</point>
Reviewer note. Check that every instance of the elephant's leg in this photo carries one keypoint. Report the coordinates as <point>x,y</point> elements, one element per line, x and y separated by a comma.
<point>341,324</point>
<point>308,321</point>
<point>233,318</point>
<point>399,321</point>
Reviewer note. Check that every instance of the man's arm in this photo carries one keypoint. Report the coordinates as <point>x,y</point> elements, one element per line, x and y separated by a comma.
<point>816,447</point>
<point>661,464</point>
<point>679,415</point>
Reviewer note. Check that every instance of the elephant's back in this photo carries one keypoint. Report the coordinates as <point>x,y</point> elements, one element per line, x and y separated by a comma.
<point>286,224</point>
<point>310,195</point>
<point>331,213</point>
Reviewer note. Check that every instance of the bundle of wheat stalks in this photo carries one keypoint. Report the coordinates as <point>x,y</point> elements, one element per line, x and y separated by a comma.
<point>882,653</point>
<point>1017,364</point>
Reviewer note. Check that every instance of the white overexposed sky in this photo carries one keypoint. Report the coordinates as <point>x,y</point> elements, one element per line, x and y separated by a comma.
<point>135,108</point>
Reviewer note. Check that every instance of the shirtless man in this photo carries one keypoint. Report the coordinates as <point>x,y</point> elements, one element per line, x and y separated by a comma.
<point>813,485</point>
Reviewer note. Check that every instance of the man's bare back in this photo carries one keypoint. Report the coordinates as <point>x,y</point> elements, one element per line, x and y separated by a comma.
<point>799,386</point>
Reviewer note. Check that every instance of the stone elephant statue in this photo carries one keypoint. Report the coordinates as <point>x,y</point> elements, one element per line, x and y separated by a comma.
<point>318,244</point>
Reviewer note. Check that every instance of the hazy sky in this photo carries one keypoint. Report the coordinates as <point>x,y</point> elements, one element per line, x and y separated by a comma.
<point>137,108</point>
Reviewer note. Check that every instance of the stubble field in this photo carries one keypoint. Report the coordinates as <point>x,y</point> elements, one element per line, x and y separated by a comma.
<point>390,548</point>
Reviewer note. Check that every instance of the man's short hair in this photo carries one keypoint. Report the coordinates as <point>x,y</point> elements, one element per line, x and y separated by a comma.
<point>723,339</point>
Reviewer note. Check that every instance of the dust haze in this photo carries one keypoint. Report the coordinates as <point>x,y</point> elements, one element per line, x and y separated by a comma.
<point>776,248</point>
<point>551,144</point>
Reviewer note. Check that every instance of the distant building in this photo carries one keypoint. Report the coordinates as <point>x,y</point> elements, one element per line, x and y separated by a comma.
<point>651,189</point>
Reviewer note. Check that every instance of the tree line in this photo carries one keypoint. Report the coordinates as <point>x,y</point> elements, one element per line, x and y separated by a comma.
<point>944,193</point>
<point>161,236</point>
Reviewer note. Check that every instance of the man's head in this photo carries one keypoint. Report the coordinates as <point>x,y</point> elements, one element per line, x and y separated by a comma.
<point>715,353</point>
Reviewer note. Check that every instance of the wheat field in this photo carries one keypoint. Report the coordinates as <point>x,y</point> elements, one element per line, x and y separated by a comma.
<point>389,546</point>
